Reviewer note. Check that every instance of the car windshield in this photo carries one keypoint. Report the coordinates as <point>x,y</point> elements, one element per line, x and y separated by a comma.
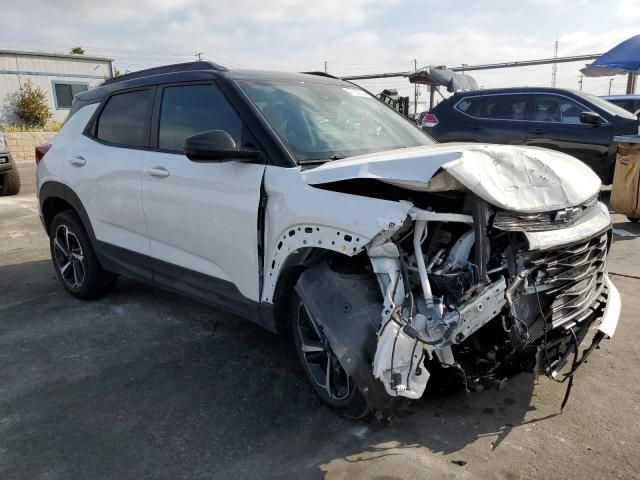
<point>319,122</point>
<point>608,106</point>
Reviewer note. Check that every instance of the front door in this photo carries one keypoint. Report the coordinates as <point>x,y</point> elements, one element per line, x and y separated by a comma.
<point>202,217</point>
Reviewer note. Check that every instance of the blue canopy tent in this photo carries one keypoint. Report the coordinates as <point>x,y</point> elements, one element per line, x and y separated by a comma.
<point>621,59</point>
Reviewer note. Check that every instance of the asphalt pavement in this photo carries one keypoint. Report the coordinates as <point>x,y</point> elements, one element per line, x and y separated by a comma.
<point>146,384</point>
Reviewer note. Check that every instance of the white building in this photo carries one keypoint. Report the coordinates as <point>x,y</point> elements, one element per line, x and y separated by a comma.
<point>61,76</point>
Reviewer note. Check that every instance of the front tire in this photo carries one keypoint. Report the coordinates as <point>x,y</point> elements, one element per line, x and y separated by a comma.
<point>322,368</point>
<point>10,183</point>
<point>74,260</point>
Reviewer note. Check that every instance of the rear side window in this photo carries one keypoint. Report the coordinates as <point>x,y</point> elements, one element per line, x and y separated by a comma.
<point>496,107</point>
<point>191,109</point>
<point>122,120</point>
<point>505,107</point>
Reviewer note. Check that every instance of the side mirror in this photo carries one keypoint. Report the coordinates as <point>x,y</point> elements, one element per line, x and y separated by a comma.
<point>591,118</point>
<point>216,145</point>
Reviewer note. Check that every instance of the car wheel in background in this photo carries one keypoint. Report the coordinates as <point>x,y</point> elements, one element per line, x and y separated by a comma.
<point>74,260</point>
<point>634,220</point>
<point>10,183</point>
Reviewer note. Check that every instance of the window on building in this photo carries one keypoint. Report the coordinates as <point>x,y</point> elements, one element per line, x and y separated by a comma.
<point>193,109</point>
<point>123,118</point>
<point>64,92</point>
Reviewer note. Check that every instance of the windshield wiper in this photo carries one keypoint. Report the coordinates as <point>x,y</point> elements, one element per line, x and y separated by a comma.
<point>316,161</point>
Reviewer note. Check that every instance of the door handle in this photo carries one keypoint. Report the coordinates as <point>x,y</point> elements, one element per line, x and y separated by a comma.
<point>159,172</point>
<point>77,161</point>
<point>476,127</point>
<point>538,131</point>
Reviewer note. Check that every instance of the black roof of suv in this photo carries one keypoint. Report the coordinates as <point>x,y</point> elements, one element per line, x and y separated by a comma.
<point>191,71</point>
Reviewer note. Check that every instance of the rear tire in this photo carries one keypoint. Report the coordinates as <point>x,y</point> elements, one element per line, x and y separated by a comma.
<point>335,388</point>
<point>10,183</point>
<point>75,261</point>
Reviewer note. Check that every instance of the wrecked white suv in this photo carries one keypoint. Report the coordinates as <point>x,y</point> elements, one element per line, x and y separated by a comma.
<point>305,204</point>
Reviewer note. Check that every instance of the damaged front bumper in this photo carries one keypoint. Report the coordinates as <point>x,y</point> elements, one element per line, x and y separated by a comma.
<point>424,326</point>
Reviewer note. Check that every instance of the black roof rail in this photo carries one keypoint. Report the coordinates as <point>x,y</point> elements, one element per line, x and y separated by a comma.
<point>177,67</point>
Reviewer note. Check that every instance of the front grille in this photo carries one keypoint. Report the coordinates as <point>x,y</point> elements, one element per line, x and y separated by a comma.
<point>572,279</point>
<point>543,221</point>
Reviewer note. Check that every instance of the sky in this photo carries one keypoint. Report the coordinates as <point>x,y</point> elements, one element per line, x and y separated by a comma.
<point>351,36</point>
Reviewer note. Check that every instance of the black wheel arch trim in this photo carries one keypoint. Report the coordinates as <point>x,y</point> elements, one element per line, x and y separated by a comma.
<point>53,189</point>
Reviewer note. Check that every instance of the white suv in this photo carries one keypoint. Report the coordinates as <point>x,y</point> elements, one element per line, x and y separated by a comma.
<point>303,203</point>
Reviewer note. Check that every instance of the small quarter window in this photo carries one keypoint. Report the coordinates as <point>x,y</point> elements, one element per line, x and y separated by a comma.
<point>123,119</point>
<point>470,106</point>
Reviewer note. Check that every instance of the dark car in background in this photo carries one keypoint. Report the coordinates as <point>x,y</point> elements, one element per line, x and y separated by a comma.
<point>9,178</point>
<point>630,103</point>
<point>576,123</point>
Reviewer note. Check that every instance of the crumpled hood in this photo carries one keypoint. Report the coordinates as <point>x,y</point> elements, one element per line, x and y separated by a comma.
<point>521,179</point>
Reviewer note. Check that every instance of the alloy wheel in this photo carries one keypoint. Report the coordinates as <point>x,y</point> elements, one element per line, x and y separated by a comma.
<point>69,257</point>
<point>320,360</point>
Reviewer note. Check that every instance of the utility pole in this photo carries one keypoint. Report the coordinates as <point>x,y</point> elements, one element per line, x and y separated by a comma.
<point>580,78</point>
<point>610,82</point>
<point>554,66</point>
<point>631,84</point>
<point>415,89</point>
<point>325,66</point>
<point>199,55</point>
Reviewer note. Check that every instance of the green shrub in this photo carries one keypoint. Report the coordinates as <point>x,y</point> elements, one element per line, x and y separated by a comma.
<point>31,106</point>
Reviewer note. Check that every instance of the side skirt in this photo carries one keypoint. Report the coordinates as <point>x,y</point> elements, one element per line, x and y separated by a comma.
<point>197,286</point>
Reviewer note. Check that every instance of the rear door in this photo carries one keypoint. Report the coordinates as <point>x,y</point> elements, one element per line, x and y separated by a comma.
<point>496,118</point>
<point>202,217</point>
<point>555,124</point>
<point>103,169</point>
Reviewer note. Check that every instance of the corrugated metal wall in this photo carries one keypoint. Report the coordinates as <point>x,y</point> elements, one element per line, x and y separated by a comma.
<point>43,71</point>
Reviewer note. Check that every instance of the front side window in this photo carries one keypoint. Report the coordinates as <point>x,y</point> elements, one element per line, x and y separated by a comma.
<point>556,109</point>
<point>192,109</point>
<point>64,92</point>
<point>318,121</point>
<point>123,119</point>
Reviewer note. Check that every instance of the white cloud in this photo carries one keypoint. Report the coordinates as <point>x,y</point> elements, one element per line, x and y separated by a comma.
<point>628,8</point>
<point>354,36</point>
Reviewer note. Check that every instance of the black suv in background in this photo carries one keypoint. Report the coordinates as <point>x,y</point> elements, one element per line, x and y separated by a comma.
<point>576,123</point>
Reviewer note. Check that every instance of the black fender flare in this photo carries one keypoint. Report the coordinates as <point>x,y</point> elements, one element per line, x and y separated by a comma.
<point>53,189</point>
<point>348,308</point>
